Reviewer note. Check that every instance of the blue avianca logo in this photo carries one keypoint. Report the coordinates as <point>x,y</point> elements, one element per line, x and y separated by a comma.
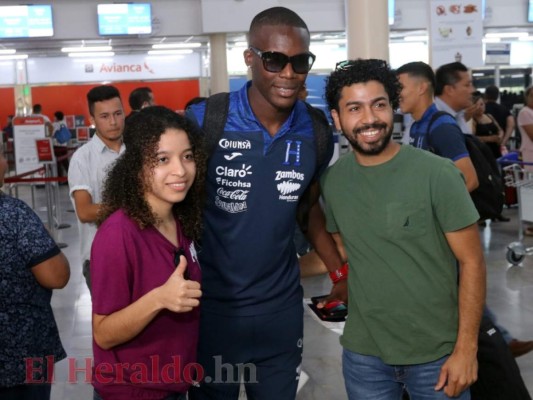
<point>292,152</point>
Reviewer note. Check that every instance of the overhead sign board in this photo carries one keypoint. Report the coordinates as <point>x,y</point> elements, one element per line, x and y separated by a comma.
<point>26,21</point>
<point>456,32</point>
<point>497,53</point>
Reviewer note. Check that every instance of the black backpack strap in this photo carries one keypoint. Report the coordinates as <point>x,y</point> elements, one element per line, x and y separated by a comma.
<point>434,118</point>
<point>215,115</point>
<point>322,131</point>
<point>323,141</point>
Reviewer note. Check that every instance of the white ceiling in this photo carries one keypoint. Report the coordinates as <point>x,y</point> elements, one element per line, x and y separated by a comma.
<point>49,47</point>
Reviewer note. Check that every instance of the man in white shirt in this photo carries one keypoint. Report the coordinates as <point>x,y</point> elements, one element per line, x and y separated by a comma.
<point>37,111</point>
<point>90,163</point>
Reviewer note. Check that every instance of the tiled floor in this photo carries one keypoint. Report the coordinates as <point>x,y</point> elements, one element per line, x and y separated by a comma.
<point>510,296</point>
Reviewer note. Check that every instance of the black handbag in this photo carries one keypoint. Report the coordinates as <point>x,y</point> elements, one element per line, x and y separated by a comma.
<point>498,373</point>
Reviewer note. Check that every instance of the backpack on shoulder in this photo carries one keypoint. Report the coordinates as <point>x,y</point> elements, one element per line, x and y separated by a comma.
<point>216,113</point>
<point>62,135</point>
<point>489,196</point>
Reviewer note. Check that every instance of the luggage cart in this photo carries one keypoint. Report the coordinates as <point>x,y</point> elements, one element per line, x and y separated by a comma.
<point>515,176</point>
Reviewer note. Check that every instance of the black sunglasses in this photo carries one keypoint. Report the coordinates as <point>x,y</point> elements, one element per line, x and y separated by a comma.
<point>274,61</point>
<point>177,254</point>
<point>372,63</point>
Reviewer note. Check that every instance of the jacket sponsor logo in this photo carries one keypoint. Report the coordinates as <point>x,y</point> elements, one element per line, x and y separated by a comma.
<point>233,194</point>
<point>287,187</point>
<point>233,155</point>
<point>292,152</point>
<point>227,182</point>
<point>289,175</point>
<point>233,172</point>
<point>288,183</point>
<point>235,144</point>
<point>231,207</point>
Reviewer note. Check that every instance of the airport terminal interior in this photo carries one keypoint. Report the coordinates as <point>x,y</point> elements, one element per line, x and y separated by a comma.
<point>507,44</point>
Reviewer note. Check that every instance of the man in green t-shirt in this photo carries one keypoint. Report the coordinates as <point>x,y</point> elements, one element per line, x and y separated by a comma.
<point>407,224</point>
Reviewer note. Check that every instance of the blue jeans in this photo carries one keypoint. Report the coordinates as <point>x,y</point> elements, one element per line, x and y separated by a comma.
<point>369,378</point>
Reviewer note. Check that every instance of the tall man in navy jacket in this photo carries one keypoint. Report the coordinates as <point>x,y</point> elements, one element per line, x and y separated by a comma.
<point>252,311</point>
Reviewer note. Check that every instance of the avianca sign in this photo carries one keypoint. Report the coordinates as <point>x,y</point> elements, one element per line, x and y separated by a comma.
<point>120,67</point>
<point>129,68</point>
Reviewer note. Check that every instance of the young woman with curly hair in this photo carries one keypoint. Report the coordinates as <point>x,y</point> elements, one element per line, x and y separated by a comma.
<point>144,266</point>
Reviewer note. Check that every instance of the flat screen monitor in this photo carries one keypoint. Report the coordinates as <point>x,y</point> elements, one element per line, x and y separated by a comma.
<point>530,11</point>
<point>26,21</point>
<point>391,12</point>
<point>124,19</point>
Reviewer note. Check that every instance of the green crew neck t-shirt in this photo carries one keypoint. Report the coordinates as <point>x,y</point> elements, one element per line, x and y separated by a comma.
<point>392,218</point>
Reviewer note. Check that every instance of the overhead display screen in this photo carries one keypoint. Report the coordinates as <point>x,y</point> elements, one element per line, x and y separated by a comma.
<point>124,19</point>
<point>26,21</point>
<point>530,11</point>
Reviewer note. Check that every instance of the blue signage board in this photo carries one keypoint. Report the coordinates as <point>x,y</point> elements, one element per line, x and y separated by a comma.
<point>124,19</point>
<point>26,21</point>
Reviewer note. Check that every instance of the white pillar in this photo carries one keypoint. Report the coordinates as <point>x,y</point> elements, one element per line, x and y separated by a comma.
<point>367,29</point>
<point>218,63</point>
<point>23,101</point>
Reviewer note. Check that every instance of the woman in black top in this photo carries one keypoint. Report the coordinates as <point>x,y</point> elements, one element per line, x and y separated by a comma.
<point>485,127</point>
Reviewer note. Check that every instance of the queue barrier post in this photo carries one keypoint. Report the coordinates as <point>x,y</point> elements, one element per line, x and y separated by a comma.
<point>45,154</point>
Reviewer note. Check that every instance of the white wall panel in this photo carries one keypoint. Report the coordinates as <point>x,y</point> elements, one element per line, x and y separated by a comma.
<point>235,16</point>
<point>7,72</point>
<point>117,68</point>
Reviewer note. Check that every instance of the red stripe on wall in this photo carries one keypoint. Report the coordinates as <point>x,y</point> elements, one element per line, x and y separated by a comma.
<point>72,100</point>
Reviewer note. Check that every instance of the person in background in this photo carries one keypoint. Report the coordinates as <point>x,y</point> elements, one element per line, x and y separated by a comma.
<point>499,112</point>
<point>144,266</point>
<point>89,164</point>
<point>453,91</point>
<point>525,126</point>
<point>7,130</point>
<point>140,98</point>
<point>264,164</point>
<point>418,80</point>
<point>487,129</point>
<point>404,218</point>
<point>194,100</point>
<point>445,137</point>
<point>59,119</point>
<point>31,266</point>
<point>60,150</point>
<point>37,111</point>
<point>485,126</point>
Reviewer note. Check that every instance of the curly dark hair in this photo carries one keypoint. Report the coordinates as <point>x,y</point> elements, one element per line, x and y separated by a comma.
<point>126,184</point>
<point>350,72</point>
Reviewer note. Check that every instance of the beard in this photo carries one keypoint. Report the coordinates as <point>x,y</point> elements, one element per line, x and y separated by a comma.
<point>374,148</point>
